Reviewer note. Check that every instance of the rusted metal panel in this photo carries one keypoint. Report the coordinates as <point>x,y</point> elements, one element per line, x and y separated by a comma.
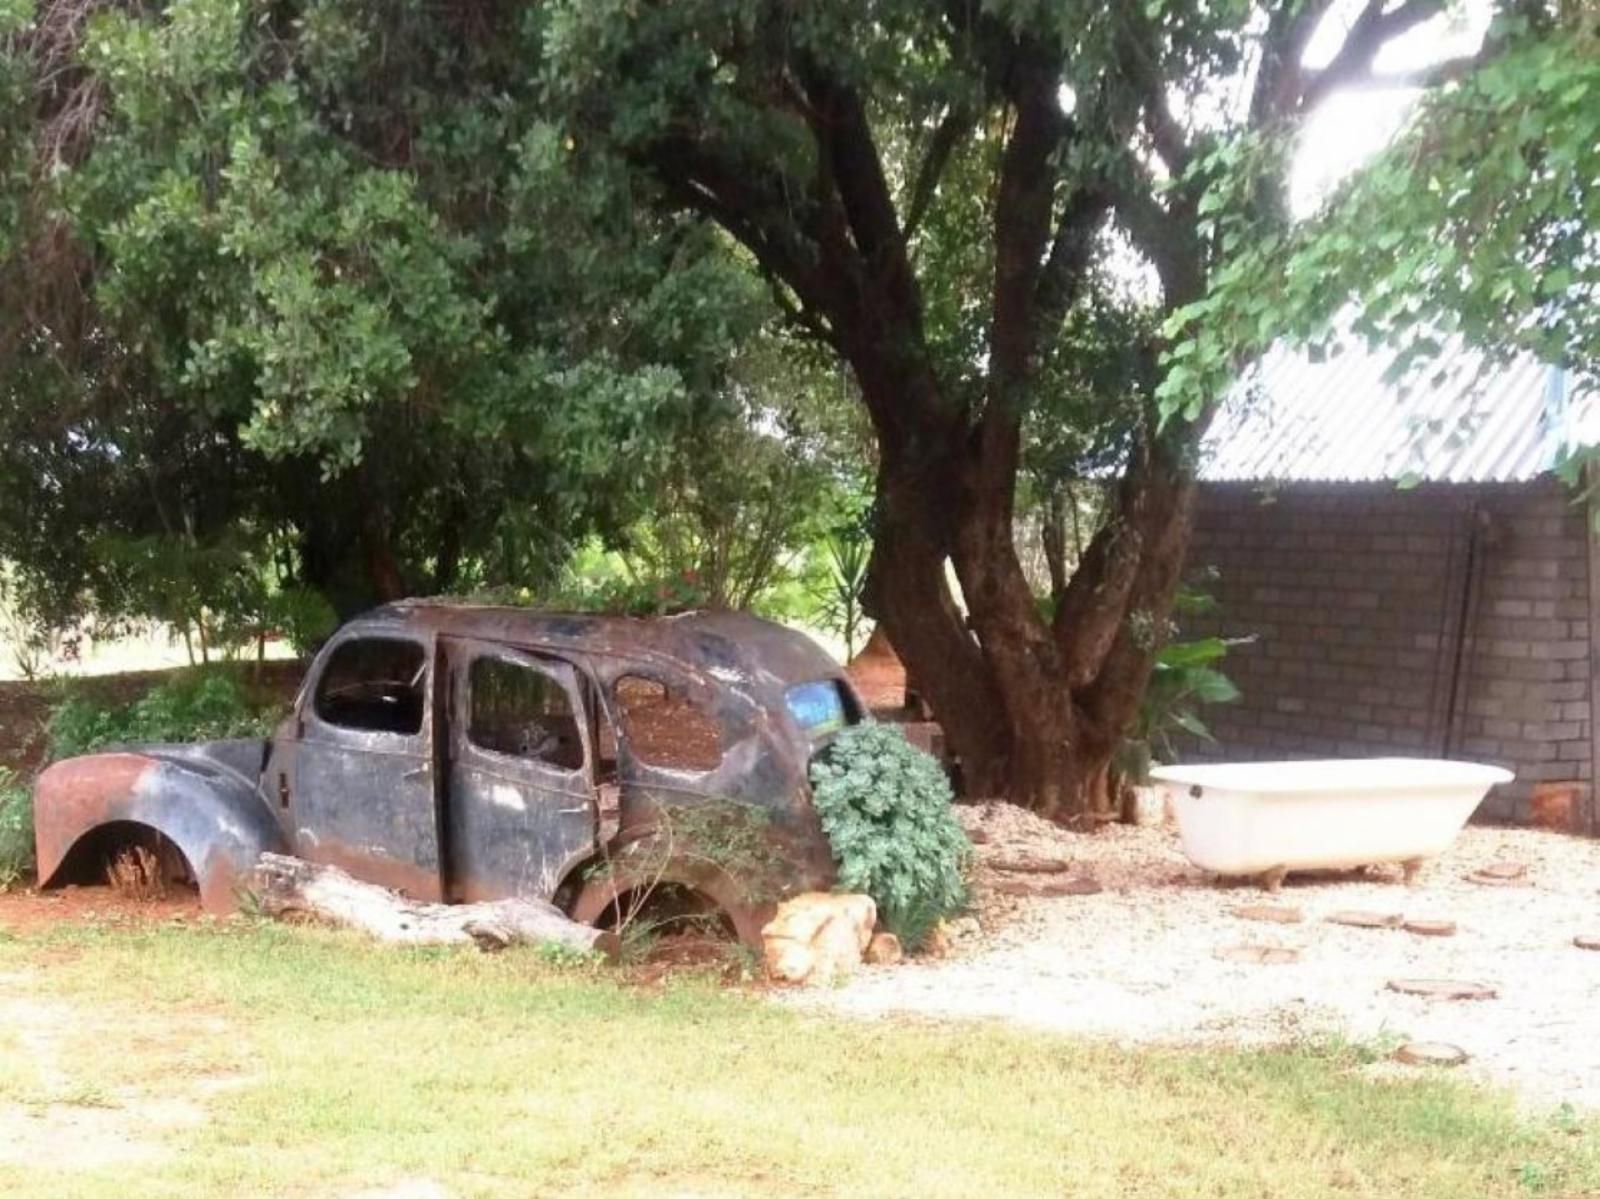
<point>220,824</point>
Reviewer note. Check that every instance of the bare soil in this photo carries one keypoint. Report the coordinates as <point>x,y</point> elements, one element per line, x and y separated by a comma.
<point>1148,958</point>
<point>27,911</point>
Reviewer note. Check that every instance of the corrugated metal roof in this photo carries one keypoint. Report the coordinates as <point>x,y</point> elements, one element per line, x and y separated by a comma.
<point>1294,420</point>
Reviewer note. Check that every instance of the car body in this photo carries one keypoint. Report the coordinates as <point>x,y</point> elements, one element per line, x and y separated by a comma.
<point>460,752</point>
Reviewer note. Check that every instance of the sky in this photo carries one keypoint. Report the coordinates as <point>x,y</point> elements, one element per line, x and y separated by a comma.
<point>1352,125</point>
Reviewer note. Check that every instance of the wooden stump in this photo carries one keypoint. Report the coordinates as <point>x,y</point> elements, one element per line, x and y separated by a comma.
<point>1430,1053</point>
<point>284,885</point>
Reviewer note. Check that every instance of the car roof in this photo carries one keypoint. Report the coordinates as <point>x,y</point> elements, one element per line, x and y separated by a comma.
<point>734,647</point>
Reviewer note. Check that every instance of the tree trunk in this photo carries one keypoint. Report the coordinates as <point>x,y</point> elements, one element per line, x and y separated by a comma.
<point>1032,712</point>
<point>285,885</point>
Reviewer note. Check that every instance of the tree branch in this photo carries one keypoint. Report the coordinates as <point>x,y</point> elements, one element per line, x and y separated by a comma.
<point>1373,29</point>
<point>1071,250</point>
<point>1022,221</point>
<point>957,121</point>
<point>1279,78</point>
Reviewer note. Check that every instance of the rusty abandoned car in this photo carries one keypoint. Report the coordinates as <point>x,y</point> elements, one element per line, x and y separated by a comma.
<point>458,753</point>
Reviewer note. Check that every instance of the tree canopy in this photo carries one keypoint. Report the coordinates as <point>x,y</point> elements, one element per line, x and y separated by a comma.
<point>412,295</point>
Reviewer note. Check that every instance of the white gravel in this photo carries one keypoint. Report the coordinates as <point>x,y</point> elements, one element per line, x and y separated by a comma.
<point>1138,962</point>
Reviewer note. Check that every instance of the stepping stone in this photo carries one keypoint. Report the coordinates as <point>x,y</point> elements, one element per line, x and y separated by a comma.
<point>1354,919</point>
<point>1430,1053</point>
<point>1431,928</point>
<point>1029,865</point>
<point>1439,988</point>
<point>1047,886</point>
<point>1268,913</point>
<point>1499,874</point>
<point>1586,941</point>
<point>1259,955</point>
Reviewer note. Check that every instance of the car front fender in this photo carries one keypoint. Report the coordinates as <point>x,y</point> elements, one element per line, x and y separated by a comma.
<point>211,814</point>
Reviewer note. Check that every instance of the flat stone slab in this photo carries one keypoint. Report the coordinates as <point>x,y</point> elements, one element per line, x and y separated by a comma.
<point>1259,955</point>
<point>1587,941</point>
<point>1431,928</point>
<point>1430,1053</point>
<point>1049,886</point>
<point>1030,865</point>
<point>1499,874</point>
<point>1440,988</point>
<point>1269,913</point>
<point>1355,919</point>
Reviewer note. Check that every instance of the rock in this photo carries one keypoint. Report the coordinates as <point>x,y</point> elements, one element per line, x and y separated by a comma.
<point>978,836</point>
<point>1438,988</point>
<point>1047,886</point>
<point>1259,955</point>
<point>1587,941</point>
<point>1355,919</point>
<point>939,941</point>
<point>817,937</point>
<point>1268,913</point>
<point>1431,928</point>
<point>884,950</point>
<point>1430,1053</point>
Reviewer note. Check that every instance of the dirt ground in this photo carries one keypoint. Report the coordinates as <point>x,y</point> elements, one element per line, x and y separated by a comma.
<point>1161,952</point>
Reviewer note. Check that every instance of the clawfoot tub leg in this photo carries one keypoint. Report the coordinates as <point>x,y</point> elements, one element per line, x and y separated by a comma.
<point>1272,880</point>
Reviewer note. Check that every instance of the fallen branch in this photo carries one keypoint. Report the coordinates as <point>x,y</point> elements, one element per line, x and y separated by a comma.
<point>285,885</point>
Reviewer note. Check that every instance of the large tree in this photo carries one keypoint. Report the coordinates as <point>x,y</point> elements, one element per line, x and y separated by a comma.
<point>932,189</point>
<point>314,278</point>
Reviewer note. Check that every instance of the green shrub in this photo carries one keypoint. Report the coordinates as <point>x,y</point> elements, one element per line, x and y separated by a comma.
<point>206,705</point>
<point>16,830</point>
<point>885,806</point>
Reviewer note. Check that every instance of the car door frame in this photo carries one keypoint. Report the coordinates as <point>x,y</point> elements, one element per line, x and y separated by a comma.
<point>400,796</point>
<point>488,855</point>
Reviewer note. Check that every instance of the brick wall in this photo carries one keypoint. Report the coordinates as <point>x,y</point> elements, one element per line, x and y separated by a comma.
<point>1363,597</point>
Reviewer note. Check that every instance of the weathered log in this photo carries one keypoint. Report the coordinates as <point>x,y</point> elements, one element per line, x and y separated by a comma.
<point>285,885</point>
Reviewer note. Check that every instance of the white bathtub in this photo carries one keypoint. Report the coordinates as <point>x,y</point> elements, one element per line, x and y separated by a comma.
<point>1270,818</point>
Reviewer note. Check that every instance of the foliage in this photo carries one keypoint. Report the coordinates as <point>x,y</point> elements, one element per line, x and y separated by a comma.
<point>985,210</point>
<point>886,808</point>
<point>16,830</point>
<point>198,705</point>
<point>1480,223</point>
<point>734,837</point>
<point>1185,679</point>
<point>841,593</point>
<point>313,299</point>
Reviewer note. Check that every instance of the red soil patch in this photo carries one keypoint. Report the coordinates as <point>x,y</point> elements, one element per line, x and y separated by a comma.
<point>878,673</point>
<point>24,911</point>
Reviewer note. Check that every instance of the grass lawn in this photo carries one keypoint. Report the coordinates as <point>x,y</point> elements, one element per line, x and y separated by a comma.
<point>242,1059</point>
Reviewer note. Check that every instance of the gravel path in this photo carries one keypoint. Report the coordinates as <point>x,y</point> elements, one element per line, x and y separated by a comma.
<point>1140,960</point>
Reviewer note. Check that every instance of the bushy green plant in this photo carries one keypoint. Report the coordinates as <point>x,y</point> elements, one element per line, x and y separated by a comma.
<point>194,706</point>
<point>16,830</point>
<point>886,808</point>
